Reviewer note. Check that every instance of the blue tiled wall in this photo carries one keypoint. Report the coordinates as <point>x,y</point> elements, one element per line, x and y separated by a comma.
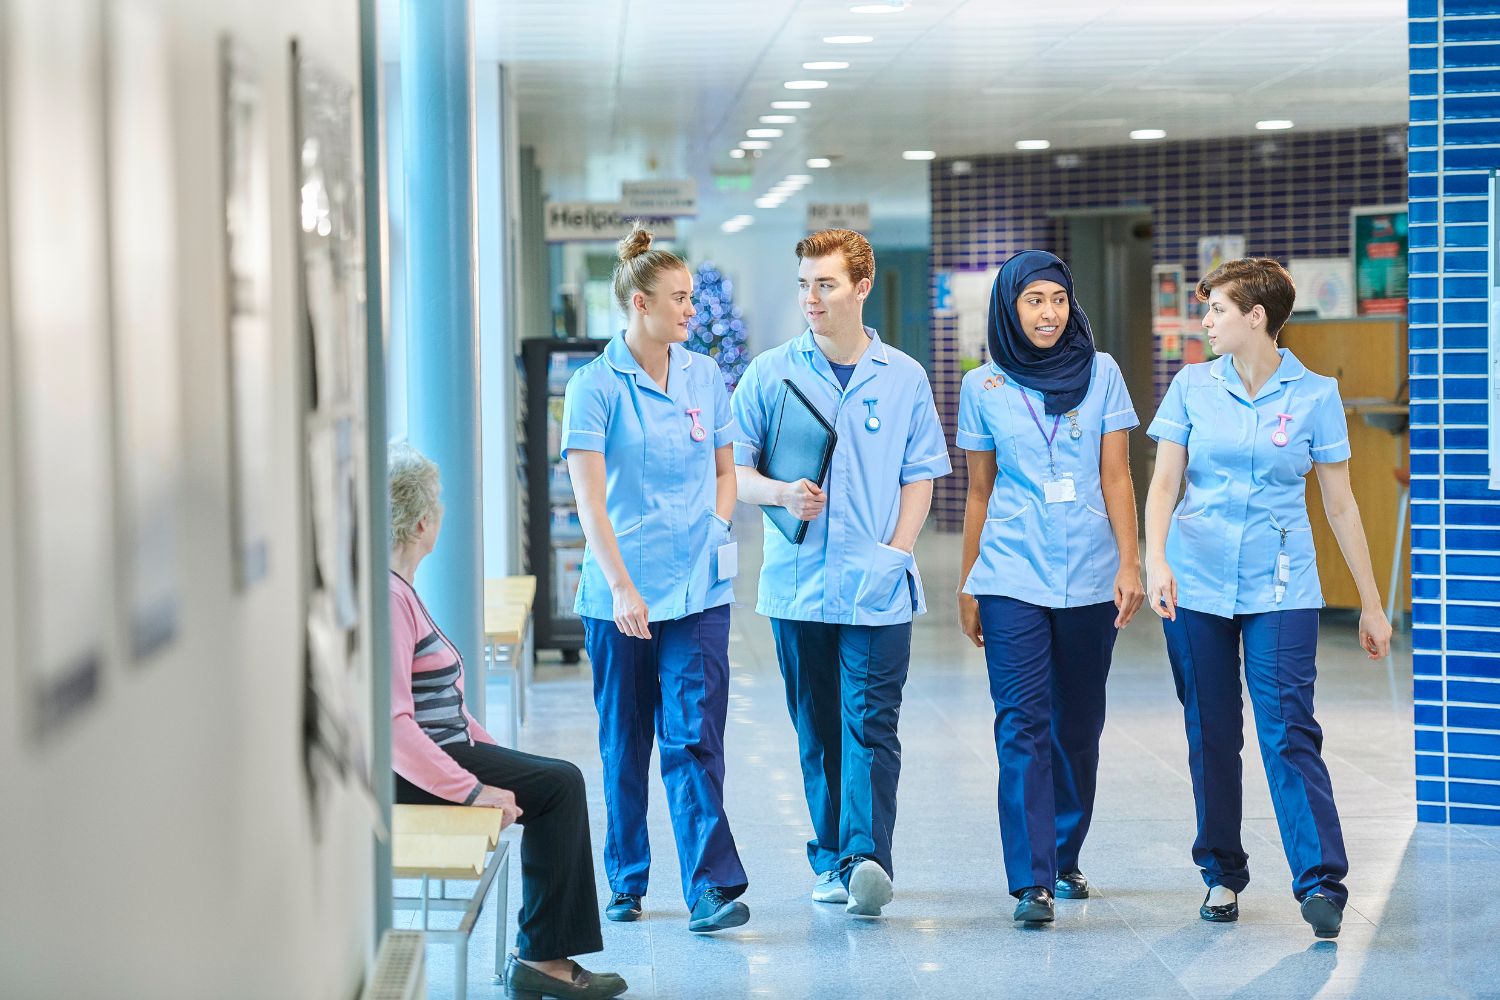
<point>1455,142</point>
<point>1289,194</point>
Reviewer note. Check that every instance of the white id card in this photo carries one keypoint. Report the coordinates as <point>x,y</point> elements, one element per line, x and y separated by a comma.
<point>1060,490</point>
<point>729,561</point>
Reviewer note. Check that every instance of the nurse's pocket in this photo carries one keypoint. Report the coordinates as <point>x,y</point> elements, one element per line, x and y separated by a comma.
<point>888,584</point>
<point>629,541</point>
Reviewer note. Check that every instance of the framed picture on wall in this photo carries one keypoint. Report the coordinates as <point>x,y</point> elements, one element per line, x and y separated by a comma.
<point>1377,240</point>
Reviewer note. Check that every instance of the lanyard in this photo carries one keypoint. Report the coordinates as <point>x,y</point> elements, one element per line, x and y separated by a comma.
<point>1049,438</point>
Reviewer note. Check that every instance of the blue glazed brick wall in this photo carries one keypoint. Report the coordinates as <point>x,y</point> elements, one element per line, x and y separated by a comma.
<point>1289,194</point>
<point>1455,142</point>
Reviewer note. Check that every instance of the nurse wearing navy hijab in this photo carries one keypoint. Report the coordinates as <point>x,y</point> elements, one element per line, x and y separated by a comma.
<point>648,438</point>
<point>1051,563</point>
<point>1232,565</point>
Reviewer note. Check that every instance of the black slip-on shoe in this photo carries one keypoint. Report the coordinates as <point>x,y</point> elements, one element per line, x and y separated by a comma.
<point>1226,914</point>
<point>1034,906</point>
<point>522,982</point>
<point>715,911</point>
<point>1071,886</point>
<point>623,907</point>
<point>1324,915</point>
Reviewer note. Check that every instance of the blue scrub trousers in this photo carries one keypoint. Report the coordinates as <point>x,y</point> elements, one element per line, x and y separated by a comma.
<point>1280,667</point>
<point>1047,669</point>
<point>678,682</point>
<point>843,690</point>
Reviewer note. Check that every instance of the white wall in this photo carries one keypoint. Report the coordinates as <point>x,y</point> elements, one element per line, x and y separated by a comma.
<point>160,845</point>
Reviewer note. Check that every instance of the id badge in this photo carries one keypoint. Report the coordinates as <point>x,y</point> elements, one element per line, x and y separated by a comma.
<point>1061,489</point>
<point>729,561</point>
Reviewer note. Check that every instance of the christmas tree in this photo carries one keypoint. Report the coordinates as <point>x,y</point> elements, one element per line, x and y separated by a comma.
<point>717,330</point>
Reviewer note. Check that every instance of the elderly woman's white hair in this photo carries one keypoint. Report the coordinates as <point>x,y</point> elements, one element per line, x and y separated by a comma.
<point>413,479</point>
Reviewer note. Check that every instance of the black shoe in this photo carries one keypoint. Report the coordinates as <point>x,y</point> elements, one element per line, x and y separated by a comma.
<point>1071,886</point>
<point>623,907</point>
<point>522,982</point>
<point>1034,906</point>
<point>715,911</point>
<point>1324,915</point>
<point>1226,914</point>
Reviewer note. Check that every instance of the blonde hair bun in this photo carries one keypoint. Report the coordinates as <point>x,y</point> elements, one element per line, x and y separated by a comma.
<point>635,242</point>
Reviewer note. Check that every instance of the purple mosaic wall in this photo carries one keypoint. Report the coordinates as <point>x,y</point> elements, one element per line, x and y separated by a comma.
<point>1288,194</point>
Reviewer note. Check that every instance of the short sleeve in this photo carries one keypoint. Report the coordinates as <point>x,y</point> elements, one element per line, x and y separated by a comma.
<point>585,414</point>
<point>1171,421</point>
<point>1330,428</point>
<point>726,427</point>
<point>1119,413</point>
<point>926,455</point>
<point>972,434</point>
<point>748,407</point>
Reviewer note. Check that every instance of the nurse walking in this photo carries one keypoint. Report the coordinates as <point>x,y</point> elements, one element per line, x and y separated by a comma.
<point>648,436</point>
<point>1051,563</point>
<point>1233,565</point>
<point>841,603</point>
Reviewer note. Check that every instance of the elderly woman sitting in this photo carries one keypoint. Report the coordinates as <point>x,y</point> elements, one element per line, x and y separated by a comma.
<point>443,756</point>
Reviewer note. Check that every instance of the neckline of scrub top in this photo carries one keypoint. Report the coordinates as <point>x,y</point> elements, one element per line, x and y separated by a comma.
<point>875,351</point>
<point>1290,369</point>
<point>617,353</point>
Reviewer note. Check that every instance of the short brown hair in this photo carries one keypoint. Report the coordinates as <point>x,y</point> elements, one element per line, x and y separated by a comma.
<point>1252,281</point>
<point>640,266</point>
<point>859,259</point>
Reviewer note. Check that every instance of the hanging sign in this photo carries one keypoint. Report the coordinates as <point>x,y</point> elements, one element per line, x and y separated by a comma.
<point>570,221</point>
<point>853,215</point>
<point>670,197</point>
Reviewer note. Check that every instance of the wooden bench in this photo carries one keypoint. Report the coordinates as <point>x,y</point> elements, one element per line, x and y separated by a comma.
<point>451,842</point>
<point>508,639</point>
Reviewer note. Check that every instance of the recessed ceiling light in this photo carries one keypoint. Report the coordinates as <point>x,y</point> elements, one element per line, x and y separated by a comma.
<point>848,39</point>
<point>805,84</point>
<point>1033,144</point>
<point>825,64</point>
<point>764,133</point>
<point>1148,133</point>
<point>777,119</point>
<point>820,162</point>
<point>918,154</point>
<point>738,154</point>
<point>743,220</point>
<point>768,202</point>
<point>892,7</point>
<point>755,144</point>
<point>1274,124</point>
<point>791,105</point>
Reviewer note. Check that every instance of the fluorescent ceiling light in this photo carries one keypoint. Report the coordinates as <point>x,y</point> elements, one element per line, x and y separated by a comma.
<point>743,220</point>
<point>791,105</point>
<point>893,7</point>
<point>820,163</point>
<point>738,154</point>
<point>799,178</point>
<point>848,39</point>
<point>764,133</point>
<point>778,119</point>
<point>1033,144</point>
<point>805,84</point>
<point>918,154</point>
<point>825,64</point>
<point>755,144</point>
<point>768,202</point>
<point>1274,124</point>
<point>1148,133</point>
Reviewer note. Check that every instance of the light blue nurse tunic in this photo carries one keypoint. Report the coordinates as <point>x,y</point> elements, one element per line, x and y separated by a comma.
<point>1246,503</point>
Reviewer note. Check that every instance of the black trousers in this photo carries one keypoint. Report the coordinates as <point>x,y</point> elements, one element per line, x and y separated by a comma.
<point>559,912</point>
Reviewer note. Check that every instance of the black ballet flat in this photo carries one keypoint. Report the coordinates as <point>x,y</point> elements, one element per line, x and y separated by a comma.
<point>1226,914</point>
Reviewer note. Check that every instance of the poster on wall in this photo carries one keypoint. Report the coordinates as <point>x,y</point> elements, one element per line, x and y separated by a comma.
<point>247,253</point>
<point>53,115</point>
<point>337,725</point>
<point>969,297</point>
<point>1167,310</point>
<point>143,285</point>
<point>1378,242</point>
<point>1325,286</point>
<point>1215,250</point>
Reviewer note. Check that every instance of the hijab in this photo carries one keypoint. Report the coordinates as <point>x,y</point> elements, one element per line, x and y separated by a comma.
<point>1061,372</point>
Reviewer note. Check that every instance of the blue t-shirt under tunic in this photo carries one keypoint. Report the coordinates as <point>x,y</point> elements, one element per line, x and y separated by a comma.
<point>842,373</point>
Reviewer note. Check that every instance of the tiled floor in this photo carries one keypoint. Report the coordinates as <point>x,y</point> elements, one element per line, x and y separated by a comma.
<point>1424,912</point>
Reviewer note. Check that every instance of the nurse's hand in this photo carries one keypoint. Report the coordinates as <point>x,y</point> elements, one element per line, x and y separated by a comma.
<point>1375,633</point>
<point>968,619</point>
<point>632,617</point>
<point>1129,594</point>
<point>1161,589</point>
<point>804,499</point>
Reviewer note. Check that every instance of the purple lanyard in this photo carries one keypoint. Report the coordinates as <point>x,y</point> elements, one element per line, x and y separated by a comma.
<point>1049,438</point>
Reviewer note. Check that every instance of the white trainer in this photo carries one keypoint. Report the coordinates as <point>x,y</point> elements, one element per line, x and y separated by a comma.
<point>830,888</point>
<point>869,889</point>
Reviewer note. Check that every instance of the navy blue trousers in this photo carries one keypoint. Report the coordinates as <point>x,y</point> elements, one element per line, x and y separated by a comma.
<point>1280,667</point>
<point>843,690</point>
<point>1047,669</point>
<point>677,684</point>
